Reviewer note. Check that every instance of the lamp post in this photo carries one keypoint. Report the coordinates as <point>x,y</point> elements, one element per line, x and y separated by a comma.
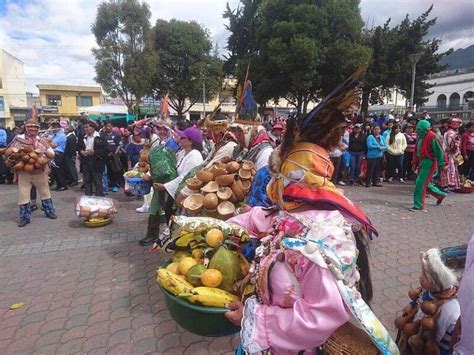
<point>414,58</point>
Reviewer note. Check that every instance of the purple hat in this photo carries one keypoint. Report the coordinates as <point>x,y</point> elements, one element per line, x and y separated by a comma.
<point>191,133</point>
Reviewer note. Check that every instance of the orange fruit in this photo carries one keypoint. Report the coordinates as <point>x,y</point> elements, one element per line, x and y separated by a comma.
<point>214,237</point>
<point>185,264</point>
<point>211,278</point>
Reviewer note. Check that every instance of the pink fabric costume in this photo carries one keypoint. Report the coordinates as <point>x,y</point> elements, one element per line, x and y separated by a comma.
<point>303,307</point>
<point>450,178</point>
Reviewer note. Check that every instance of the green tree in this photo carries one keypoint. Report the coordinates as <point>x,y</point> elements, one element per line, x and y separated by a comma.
<point>185,63</point>
<point>412,37</point>
<point>125,60</point>
<point>301,49</point>
<point>390,66</point>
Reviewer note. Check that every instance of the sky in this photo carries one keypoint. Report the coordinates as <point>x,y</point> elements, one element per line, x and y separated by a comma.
<point>54,40</point>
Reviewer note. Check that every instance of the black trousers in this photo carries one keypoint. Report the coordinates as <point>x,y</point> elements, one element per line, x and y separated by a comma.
<point>468,164</point>
<point>59,171</point>
<point>71,170</point>
<point>92,177</point>
<point>167,202</point>
<point>114,177</point>
<point>408,171</point>
<point>336,161</point>
<point>373,170</point>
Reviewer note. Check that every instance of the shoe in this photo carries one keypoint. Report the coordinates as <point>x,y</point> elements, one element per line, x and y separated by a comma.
<point>115,189</point>
<point>378,185</point>
<point>367,185</point>
<point>33,207</point>
<point>146,241</point>
<point>52,215</point>
<point>401,181</point>
<point>342,183</point>
<point>74,184</point>
<point>142,209</point>
<point>438,202</point>
<point>64,188</point>
<point>23,222</point>
<point>414,209</point>
<point>351,183</point>
<point>390,179</point>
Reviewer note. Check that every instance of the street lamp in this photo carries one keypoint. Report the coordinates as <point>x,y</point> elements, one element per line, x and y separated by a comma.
<point>414,58</point>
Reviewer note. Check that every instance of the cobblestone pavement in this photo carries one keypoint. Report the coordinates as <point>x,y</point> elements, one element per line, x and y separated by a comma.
<point>93,290</point>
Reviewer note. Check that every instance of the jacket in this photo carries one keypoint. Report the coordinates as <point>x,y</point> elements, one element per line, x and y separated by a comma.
<point>398,146</point>
<point>375,147</point>
<point>357,144</point>
<point>71,145</point>
<point>98,159</point>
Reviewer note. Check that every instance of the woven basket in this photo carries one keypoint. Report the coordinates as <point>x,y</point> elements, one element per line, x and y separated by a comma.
<point>349,340</point>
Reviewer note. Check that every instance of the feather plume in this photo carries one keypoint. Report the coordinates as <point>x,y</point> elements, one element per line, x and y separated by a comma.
<point>342,100</point>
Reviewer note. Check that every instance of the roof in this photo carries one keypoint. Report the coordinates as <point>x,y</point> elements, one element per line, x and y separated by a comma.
<point>78,88</point>
<point>106,109</point>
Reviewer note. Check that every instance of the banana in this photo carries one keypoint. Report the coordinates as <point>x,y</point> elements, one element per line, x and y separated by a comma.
<point>172,282</point>
<point>209,297</point>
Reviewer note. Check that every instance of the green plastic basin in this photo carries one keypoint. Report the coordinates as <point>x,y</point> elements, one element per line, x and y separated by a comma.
<point>205,321</point>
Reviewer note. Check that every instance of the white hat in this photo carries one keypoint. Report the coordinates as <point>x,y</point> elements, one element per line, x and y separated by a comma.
<point>440,276</point>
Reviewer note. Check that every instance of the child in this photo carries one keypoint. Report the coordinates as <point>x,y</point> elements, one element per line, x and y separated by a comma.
<point>437,300</point>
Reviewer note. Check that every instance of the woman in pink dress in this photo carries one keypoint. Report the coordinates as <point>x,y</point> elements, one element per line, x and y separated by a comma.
<point>310,270</point>
<point>451,144</point>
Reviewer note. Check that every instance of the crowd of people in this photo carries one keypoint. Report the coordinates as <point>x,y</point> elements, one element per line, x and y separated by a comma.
<point>299,162</point>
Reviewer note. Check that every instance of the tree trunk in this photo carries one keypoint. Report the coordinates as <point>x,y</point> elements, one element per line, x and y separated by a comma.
<point>365,103</point>
<point>299,104</point>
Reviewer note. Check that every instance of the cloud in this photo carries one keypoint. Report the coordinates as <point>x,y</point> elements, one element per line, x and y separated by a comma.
<point>454,24</point>
<point>53,37</point>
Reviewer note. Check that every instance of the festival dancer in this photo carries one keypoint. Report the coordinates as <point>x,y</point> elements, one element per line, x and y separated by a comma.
<point>428,157</point>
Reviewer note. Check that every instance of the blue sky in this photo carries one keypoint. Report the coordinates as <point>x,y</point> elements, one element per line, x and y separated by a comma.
<point>53,38</point>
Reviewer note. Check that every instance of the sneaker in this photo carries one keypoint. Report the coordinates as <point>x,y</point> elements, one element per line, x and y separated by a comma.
<point>342,183</point>
<point>402,181</point>
<point>390,179</point>
<point>115,189</point>
<point>413,209</point>
<point>142,209</point>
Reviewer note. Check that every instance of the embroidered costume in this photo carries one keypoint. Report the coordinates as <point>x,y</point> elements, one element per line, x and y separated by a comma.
<point>311,268</point>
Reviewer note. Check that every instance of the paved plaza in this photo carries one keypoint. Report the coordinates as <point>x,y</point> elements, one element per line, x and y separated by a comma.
<point>94,291</point>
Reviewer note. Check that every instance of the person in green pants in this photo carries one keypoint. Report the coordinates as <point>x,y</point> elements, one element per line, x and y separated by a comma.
<point>429,156</point>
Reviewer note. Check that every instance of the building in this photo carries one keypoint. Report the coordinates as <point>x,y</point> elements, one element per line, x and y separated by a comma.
<point>453,93</point>
<point>13,102</point>
<point>67,101</point>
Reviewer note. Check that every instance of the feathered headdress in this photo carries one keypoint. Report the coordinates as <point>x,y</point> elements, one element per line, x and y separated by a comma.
<point>321,125</point>
<point>215,121</point>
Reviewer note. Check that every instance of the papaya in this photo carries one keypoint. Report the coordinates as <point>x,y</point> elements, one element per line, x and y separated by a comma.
<point>227,262</point>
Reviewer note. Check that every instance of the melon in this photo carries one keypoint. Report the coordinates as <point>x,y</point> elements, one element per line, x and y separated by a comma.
<point>193,276</point>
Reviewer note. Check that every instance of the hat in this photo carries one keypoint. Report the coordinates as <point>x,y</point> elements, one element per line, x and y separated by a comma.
<point>440,276</point>
<point>277,126</point>
<point>191,133</point>
<point>359,125</point>
<point>32,122</point>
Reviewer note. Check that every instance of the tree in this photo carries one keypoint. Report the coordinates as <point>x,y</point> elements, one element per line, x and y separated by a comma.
<point>185,63</point>
<point>301,49</point>
<point>390,65</point>
<point>412,38</point>
<point>125,61</point>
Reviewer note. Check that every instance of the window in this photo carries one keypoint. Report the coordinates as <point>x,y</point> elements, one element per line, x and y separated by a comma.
<point>200,100</point>
<point>84,101</point>
<point>53,100</point>
<point>454,101</point>
<point>2,104</point>
<point>441,102</point>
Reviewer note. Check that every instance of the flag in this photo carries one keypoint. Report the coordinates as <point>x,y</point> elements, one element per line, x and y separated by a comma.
<point>164,110</point>
<point>34,114</point>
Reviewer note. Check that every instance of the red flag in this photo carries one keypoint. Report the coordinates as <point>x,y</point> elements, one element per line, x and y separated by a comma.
<point>165,107</point>
<point>34,114</point>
